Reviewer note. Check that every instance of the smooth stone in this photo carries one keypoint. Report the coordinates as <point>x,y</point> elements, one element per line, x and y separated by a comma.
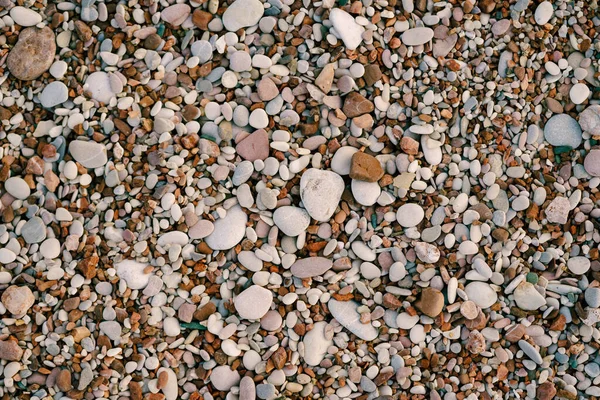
<point>228,231</point>
<point>54,93</point>
<point>410,215</point>
<point>170,390</point>
<point>365,193</point>
<point>132,272</point>
<point>254,146</point>
<point>250,261</point>
<point>320,192</point>
<point>17,300</point>
<point>173,238</point>
<point>563,130</point>
<point>310,267</point>
<point>579,93</point>
<point>417,36</point>
<point>342,160</point>
<point>589,119</point>
<point>88,154</point>
<point>258,119</point>
<point>591,163</point>
<point>25,16</point>
<point>17,187</point>
<point>531,352</point>
<point>50,248</point>
<point>101,87</point>
<point>171,327</point>
<point>242,13</point>
<point>481,294</point>
<point>34,230</point>
<point>253,303</point>
<point>316,344</point>
<point>406,321</point>
<point>578,265</point>
<point>528,298</point>
<point>176,14</point>
<point>345,312</point>
<point>7,256</point>
<point>543,13</point>
<point>223,378</point>
<point>592,296</point>
<point>346,27</point>
<point>247,389</point>
<point>271,321</point>
<point>33,54</point>
<point>557,212</point>
<point>292,221</point>
<point>201,229</point>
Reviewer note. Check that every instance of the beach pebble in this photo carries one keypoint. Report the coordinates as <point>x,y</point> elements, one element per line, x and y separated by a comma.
<point>17,187</point>
<point>310,267</point>
<point>346,27</point>
<point>133,273</point>
<point>242,13</point>
<point>316,344</point>
<point>25,16</point>
<point>223,377</point>
<point>563,130</point>
<point>228,231</point>
<point>578,265</point>
<point>346,314</point>
<point>409,215</point>
<point>54,94</point>
<point>33,54</point>
<point>253,302</point>
<point>543,13</point>
<point>292,221</point>
<point>18,299</point>
<point>481,294</point>
<point>320,192</point>
<point>528,298</point>
<point>417,36</point>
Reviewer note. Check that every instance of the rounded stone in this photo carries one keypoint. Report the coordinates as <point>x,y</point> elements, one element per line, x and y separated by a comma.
<point>17,187</point>
<point>410,215</point>
<point>253,303</point>
<point>228,231</point>
<point>292,221</point>
<point>481,294</point>
<point>320,192</point>
<point>33,54</point>
<point>563,130</point>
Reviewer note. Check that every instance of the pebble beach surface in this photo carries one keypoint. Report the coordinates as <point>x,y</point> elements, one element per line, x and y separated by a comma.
<point>296,199</point>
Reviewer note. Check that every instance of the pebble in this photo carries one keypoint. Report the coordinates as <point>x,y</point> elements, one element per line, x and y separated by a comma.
<point>320,192</point>
<point>365,167</point>
<point>34,230</point>
<point>25,16</point>
<point>223,378</point>
<point>292,221</point>
<point>132,272</point>
<point>346,27</point>
<point>342,160</point>
<point>253,303</point>
<point>579,93</point>
<point>481,294</point>
<point>578,265</point>
<point>33,54</point>
<point>17,187</point>
<point>17,299</point>
<point>563,130</point>
<point>592,297</point>
<point>175,14</point>
<point>591,162</point>
<point>345,312</point>
<point>417,36</point>
<point>557,211</point>
<point>54,94</point>
<point>241,14</point>
<point>528,298</point>
<point>88,154</point>
<point>228,231</point>
<point>589,119</point>
<point>410,215</point>
<point>311,267</point>
<point>316,344</point>
<point>543,13</point>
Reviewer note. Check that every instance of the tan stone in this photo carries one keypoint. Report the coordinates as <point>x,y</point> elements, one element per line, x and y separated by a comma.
<point>431,302</point>
<point>365,167</point>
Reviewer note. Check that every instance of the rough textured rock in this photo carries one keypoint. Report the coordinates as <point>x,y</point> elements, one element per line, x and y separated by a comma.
<point>33,54</point>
